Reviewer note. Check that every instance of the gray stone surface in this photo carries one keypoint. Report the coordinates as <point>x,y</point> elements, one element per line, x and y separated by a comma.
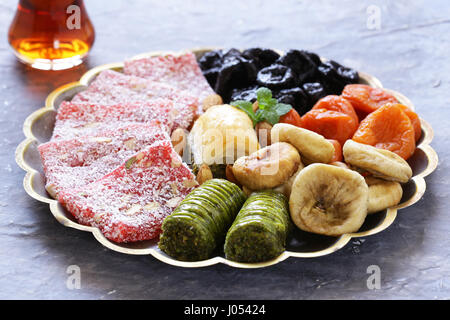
<point>409,53</point>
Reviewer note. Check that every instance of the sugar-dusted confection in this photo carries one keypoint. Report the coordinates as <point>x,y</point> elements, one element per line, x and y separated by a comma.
<point>111,87</point>
<point>130,203</point>
<point>181,71</point>
<point>80,119</point>
<point>80,161</point>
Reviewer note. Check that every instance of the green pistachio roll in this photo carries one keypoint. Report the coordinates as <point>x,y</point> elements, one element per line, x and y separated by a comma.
<point>199,224</point>
<point>261,228</point>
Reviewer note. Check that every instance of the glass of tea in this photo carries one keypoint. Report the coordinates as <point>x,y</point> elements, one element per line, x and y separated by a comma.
<point>51,34</point>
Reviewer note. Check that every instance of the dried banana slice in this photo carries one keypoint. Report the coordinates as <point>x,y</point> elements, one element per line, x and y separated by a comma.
<point>312,146</point>
<point>268,167</point>
<point>328,200</point>
<point>382,194</point>
<point>381,163</point>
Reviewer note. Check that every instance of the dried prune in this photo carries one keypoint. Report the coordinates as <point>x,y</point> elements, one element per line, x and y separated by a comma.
<point>314,91</point>
<point>211,76</point>
<point>296,97</point>
<point>287,98</point>
<point>298,77</point>
<point>347,74</point>
<point>211,64</point>
<point>261,56</point>
<point>300,62</point>
<point>211,59</point>
<point>335,76</point>
<point>276,76</point>
<point>236,72</point>
<point>247,94</point>
<point>224,77</point>
<point>313,56</point>
<point>251,70</point>
<point>330,78</point>
<point>232,53</point>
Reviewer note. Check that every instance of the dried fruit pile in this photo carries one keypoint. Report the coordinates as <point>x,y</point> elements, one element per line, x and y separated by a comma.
<point>297,77</point>
<point>367,115</point>
<point>299,142</point>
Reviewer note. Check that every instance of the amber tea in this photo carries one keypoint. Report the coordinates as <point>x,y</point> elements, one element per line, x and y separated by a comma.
<point>51,34</point>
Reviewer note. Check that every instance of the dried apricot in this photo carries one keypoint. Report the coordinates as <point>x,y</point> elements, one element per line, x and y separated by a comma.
<point>366,99</point>
<point>337,103</point>
<point>388,128</point>
<point>337,151</point>
<point>415,121</point>
<point>292,117</point>
<point>330,124</point>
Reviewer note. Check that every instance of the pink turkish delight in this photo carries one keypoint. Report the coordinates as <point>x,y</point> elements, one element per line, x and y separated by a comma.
<point>80,161</point>
<point>181,71</point>
<point>80,119</point>
<point>130,203</point>
<point>111,87</point>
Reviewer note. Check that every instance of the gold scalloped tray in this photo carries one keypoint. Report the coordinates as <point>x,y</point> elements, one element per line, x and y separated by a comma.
<point>39,125</point>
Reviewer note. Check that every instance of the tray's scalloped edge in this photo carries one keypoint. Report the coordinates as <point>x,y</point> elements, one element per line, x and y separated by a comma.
<point>341,241</point>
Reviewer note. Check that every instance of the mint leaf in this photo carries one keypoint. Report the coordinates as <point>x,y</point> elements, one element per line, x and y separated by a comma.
<point>268,115</point>
<point>282,108</point>
<point>247,107</point>
<point>263,94</point>
<point>268,108</point>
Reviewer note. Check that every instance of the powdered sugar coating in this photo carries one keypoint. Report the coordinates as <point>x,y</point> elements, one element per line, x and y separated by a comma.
<point>180,71</point>
<point>130,203</point>
<point>111,87</point>
<point>77,162</point>
<point>81,119</point>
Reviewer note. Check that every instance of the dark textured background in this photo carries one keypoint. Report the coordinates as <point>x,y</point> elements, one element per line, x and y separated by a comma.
<point>409,53</point>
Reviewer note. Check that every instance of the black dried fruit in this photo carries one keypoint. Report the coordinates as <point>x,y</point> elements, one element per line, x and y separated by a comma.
<point>314,91</point>
<point>223,83</point>
<point>288,99</point>
<point>335,76</point>
<point>236,72</point>
<point>276,76</point>
<point>211,60</point>
<point>300,62</point>
<point>330,78</point>
<point>232,53</point>
<point>211,76</point>
<point>211,63</point>
<point>296,97</point>
<point>247,94</point>
<point>313,56</point>
<point>347,74</point>
<point>261,56</point>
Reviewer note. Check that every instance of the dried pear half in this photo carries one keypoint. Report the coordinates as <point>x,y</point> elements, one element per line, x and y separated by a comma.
<point>381,163</point>
<point>328,200</point>
<point>312,146</point>
<point>268,167</point>
<point>382,194</point>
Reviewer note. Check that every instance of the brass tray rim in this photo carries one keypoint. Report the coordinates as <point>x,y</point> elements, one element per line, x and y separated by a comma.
<point>391,213</point>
